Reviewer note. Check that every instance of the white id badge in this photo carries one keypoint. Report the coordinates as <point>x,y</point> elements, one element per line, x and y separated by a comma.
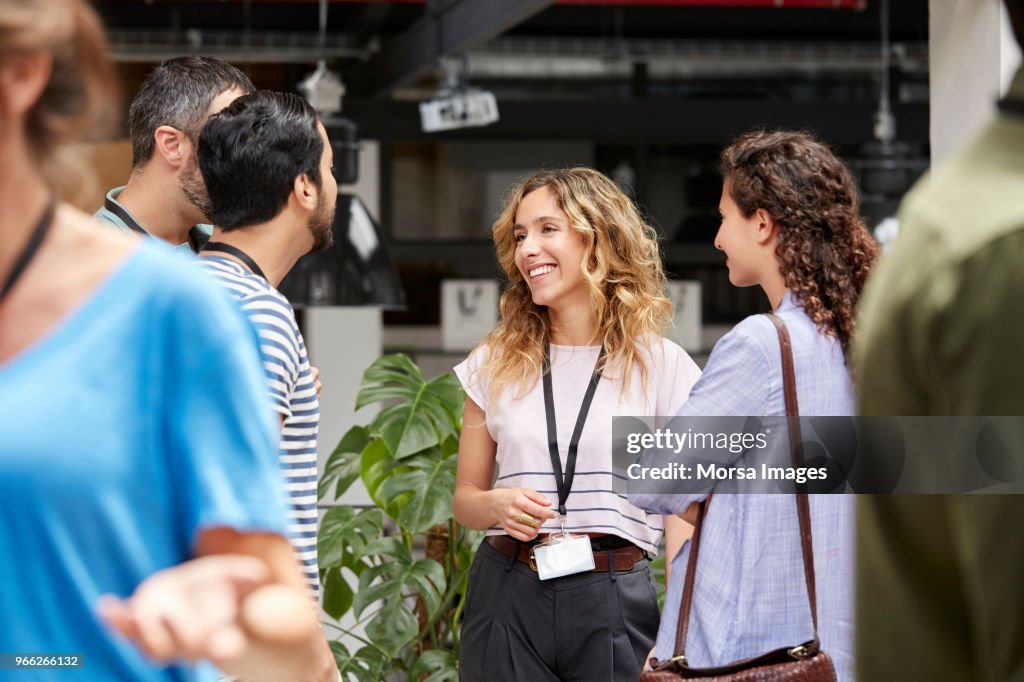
<point>563,555</point>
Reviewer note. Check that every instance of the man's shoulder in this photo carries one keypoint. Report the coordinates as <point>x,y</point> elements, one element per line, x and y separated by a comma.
<point>971,200</point>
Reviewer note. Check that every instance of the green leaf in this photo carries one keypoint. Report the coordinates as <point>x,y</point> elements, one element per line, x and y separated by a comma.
<point>390,547</point>
<point>658,573</point>
<point>342,468</point>
<point>450,446</point>
<point>338,594</point>
<point>466,543</point>
<point>377,466</point>
<point>397,579</point>
<point>436,665</point>
<point>424,413</point>
<point>389,377</point>
<point>367,665</point>
<point>393,627</point>
<point>431,490</point>
<point>344,531</point>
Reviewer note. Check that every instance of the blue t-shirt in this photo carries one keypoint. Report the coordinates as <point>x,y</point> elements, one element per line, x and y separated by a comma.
<point>139,421</point>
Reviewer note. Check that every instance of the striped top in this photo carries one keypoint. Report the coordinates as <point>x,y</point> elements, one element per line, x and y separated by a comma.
<point>292,394</point>
<point>520,430</point>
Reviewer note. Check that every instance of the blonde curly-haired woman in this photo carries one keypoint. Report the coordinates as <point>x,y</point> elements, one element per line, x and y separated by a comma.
<point>579,341</point>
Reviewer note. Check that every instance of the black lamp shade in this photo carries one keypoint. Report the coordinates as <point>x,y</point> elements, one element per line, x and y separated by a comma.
<point>356,270</point>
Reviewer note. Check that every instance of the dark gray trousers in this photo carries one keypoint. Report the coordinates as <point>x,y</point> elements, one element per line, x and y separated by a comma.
<point>591,626</point>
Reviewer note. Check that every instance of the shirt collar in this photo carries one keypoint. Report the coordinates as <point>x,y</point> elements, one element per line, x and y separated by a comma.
<point>788,302</point>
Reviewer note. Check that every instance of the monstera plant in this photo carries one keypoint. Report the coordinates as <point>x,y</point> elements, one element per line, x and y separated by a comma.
<point>401,568</point>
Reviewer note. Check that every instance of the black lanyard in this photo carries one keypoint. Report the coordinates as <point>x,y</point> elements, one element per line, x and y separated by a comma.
<point>237,253</point>
<point>1012,105</point>
<point>35,240</point>
<point>565,485</point>
<point>195,238</point>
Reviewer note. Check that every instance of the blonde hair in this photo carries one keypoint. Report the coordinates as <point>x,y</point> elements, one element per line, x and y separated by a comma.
<point>621,265</point>
<point>82,97</point>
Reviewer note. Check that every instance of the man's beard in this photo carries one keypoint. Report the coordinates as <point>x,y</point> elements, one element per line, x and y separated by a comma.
<point>192,186</point>
<point>321,224</point>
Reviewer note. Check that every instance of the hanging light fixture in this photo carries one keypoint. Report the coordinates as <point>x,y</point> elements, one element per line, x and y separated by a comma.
<point>886,167</point>
<point>357,269</point>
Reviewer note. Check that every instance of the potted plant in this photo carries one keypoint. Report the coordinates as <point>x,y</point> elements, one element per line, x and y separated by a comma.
<point>405,457</point>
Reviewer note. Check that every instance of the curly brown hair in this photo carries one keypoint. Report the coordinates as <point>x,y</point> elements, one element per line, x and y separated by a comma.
<point>622,267</point>
<point>824,249</point>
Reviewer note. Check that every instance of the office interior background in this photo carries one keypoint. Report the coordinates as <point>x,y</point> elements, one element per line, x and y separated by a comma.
<point>646,91</point>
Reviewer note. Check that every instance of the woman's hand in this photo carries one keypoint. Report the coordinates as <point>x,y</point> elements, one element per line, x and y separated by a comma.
<point>218,608</point>
<point>509,503</point>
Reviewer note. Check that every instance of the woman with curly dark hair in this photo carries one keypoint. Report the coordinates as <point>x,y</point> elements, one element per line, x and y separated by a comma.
<point>791,225</point>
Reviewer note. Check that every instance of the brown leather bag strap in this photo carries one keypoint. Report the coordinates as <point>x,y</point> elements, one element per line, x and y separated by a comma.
<point>802,507</point>
<point>796,446</point>
<point>691,574</point>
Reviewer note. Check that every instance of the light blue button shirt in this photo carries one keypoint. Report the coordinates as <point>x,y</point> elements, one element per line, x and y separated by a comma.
<point>750,596</point>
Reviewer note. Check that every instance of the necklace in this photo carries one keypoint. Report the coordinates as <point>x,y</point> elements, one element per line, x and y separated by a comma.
<point>30,249</point>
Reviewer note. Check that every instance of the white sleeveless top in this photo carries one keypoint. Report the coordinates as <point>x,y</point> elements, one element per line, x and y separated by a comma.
<point>519,428</point>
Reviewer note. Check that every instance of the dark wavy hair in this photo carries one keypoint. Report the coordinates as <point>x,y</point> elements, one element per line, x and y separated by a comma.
<point>251,153</point>
<point>824,249</point>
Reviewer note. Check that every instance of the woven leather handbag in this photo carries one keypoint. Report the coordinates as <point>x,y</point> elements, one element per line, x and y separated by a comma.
<point>802,663</point>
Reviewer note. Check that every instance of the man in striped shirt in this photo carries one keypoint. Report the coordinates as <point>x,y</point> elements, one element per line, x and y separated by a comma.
<point>267,164</point>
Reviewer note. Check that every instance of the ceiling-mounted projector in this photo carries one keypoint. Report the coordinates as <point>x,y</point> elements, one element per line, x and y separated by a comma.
<point>461,109</point>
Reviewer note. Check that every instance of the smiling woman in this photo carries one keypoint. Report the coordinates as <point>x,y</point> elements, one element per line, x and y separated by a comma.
<point>549,254</point>
<point>579,341</point>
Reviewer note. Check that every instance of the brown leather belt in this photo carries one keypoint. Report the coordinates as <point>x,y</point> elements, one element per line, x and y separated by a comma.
<point>623,558</point>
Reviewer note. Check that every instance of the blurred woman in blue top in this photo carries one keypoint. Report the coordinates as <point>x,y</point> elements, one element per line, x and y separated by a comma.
<point>791,225</point>
<point>135,434</point>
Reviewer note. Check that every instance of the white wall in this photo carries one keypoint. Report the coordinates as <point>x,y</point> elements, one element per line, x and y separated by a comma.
<point>342,342</point>
<point>972,55</point>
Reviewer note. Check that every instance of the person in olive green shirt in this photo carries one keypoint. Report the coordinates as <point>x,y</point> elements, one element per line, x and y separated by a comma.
<point>941,578</point>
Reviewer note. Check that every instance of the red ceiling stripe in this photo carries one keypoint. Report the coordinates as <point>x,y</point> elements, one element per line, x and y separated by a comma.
<point>805,4</point>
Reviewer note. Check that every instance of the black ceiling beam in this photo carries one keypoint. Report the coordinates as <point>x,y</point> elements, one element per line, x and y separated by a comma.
<point>650,121</point>
<point>446,29</point>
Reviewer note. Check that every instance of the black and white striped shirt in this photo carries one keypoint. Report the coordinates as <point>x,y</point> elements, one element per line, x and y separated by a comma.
<point>292,393</point>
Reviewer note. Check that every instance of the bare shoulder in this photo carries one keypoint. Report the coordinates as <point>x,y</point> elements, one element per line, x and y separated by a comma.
<point>78,232</point>
<point>83,251</point>
<point>76,257</point>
